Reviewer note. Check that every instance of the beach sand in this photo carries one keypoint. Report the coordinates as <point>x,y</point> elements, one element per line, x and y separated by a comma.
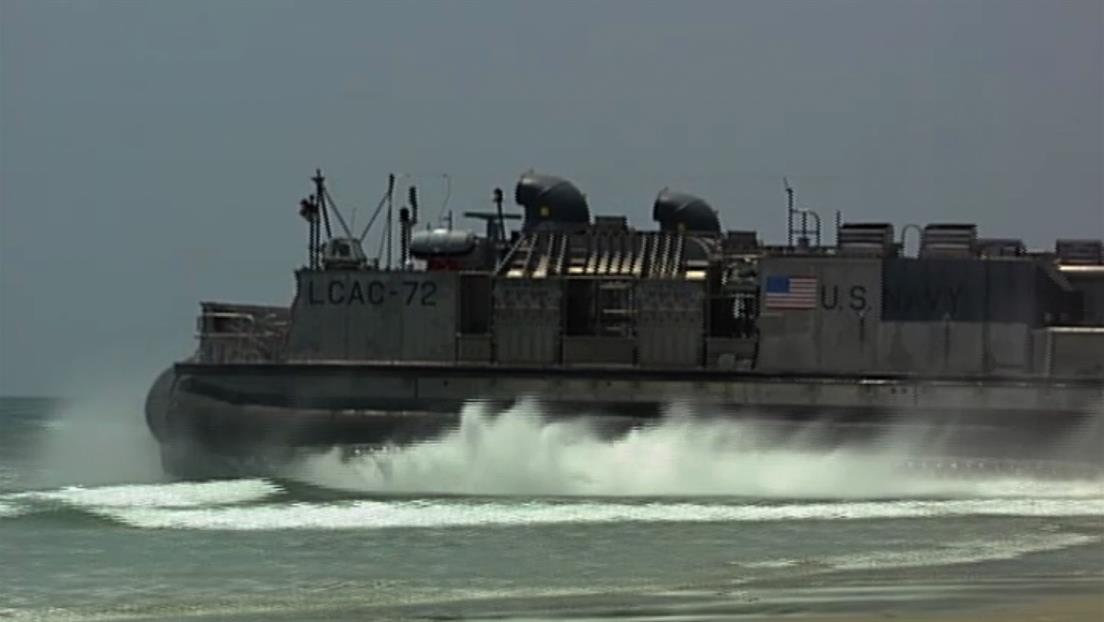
<point>1083,608</point>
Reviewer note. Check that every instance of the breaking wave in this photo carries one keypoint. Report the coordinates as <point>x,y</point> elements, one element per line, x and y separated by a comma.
<point>101,500</point>
<point>177,495</point>
<point>8,510</point>
<point>960,552</point>
<point>518,453</point>
<point>438,514</point>
<point>254,504</point>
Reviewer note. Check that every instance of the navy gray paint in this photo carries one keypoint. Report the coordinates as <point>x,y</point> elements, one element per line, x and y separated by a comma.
<point>585,315</point>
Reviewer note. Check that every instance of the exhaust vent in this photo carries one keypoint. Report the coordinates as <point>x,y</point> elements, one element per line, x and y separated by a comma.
<point>1080,252</point>
<point>551,203</point>
<point>870,239</point>
<point>949,240</point>
<point>676,211</point>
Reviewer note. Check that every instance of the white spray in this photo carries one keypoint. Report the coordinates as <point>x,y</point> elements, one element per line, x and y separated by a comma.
<point>517,452</point>
<point>99,438</point>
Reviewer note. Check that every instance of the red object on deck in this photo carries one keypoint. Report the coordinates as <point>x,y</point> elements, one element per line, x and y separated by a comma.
<point>443,264</point>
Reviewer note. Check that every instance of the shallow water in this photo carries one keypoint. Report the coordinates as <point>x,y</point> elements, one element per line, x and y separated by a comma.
<point>513,519</point>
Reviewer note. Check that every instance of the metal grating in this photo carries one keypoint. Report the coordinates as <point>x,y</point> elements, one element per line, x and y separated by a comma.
<point>623,254</point>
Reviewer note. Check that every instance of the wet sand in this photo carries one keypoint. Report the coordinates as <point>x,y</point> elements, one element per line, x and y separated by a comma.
<point>1077,609</point>
<point>1053,599</point>
<point>1085,608</point>
<point>1077,601</point>
<point>1073,601</point>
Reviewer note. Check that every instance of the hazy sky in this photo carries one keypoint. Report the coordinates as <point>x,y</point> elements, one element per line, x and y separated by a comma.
<point>152,153</point>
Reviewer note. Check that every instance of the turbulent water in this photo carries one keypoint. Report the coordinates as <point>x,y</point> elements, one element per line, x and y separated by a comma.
<point>509,517</point>
<point>517,453</point>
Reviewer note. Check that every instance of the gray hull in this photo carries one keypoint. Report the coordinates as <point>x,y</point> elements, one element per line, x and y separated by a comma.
<point>213,419</point>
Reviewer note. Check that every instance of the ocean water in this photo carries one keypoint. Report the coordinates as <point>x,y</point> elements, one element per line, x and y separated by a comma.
<point>510,518</point>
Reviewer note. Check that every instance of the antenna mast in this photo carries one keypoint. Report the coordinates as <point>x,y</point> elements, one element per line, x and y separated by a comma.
<point>379,206</point>
<point>501,217</point>
<point>390,214</point>
<point>789,212</point>
<point>320,199</point>
<point>444,204</point>
<point>308,209</point>
<point>326,201</point>
<point>407,219</point>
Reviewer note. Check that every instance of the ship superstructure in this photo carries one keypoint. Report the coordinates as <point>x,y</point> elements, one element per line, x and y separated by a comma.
<point>589,313</point>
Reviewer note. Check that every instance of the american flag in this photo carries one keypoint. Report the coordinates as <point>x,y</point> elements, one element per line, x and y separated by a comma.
<point>791,292</point>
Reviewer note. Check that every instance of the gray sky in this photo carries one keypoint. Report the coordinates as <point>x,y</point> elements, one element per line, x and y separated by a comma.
<point>152,154</point>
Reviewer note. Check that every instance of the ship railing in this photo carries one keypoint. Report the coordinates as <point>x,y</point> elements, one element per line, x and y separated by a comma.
<point>238,337</point>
